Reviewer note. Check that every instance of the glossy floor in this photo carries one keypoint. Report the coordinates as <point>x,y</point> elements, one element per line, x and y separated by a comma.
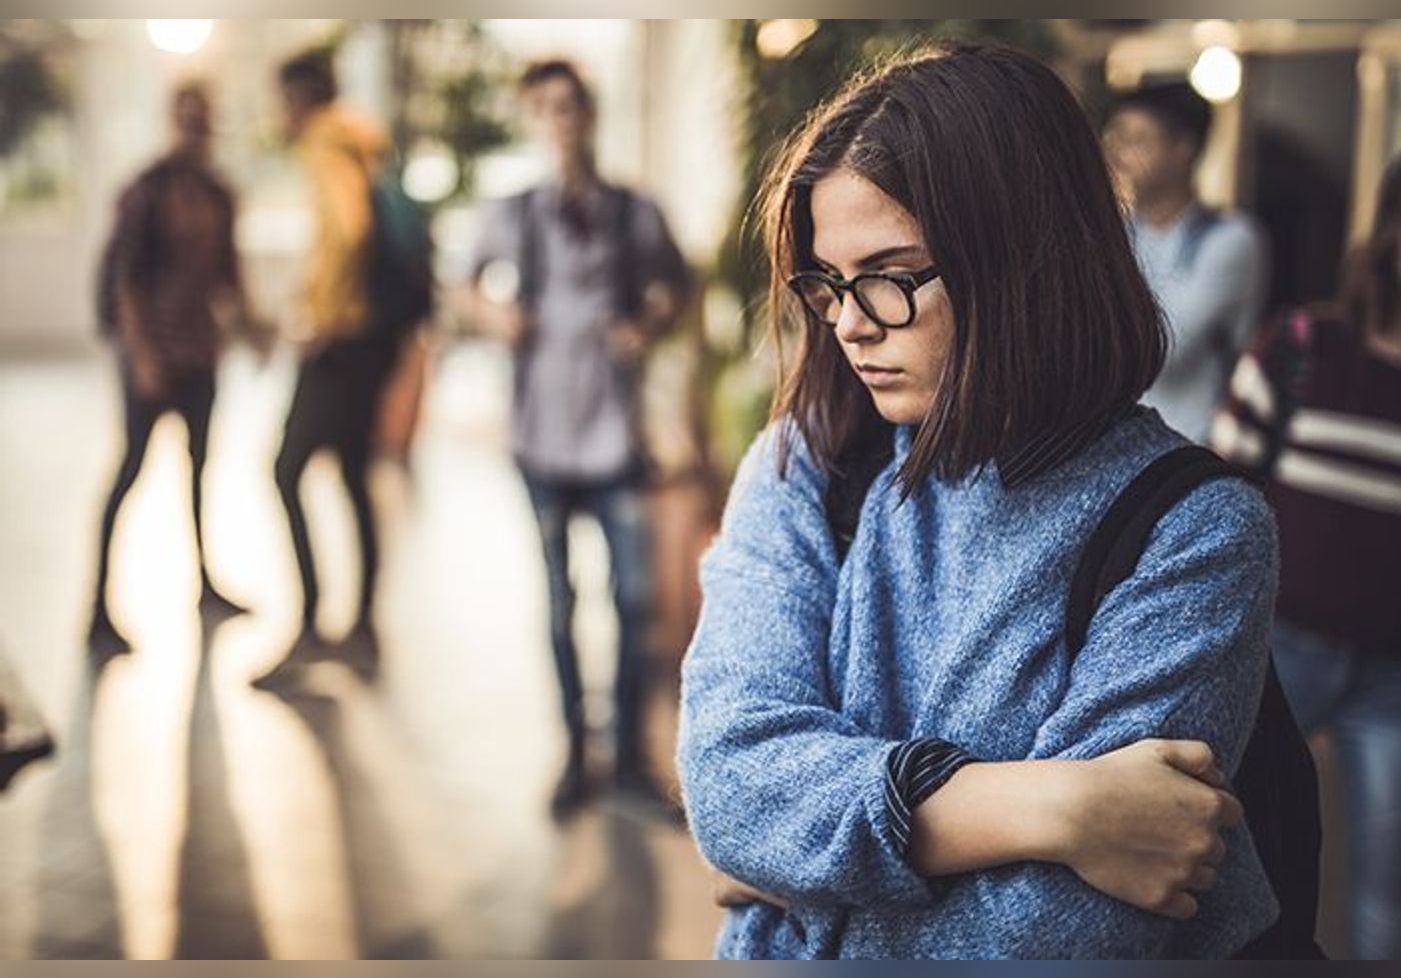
<point>188,815</point>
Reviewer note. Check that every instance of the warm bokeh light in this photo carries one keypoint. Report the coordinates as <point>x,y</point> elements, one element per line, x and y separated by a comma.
<point>780,38</point>
<point>430,175</point>
<point>179,36</point>
<point>1217,74</point>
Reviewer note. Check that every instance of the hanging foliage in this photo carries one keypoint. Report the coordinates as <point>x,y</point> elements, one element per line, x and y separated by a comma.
<point>30,91</point>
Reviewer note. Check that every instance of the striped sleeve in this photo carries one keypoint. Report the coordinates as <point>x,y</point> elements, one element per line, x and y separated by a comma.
<point>914,771</point>
<point>1260,396</point>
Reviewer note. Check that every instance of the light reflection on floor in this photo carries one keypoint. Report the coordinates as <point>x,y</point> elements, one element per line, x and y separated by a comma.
<point>191,816</point>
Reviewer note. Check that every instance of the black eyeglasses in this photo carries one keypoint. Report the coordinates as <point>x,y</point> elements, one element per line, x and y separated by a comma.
<point>887,298</point>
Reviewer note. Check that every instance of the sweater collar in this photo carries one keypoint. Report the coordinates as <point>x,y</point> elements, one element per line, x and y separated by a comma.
<point>1037,455</point>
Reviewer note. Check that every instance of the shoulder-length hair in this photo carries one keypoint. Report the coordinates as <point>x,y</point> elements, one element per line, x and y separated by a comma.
<point>1054,324</point>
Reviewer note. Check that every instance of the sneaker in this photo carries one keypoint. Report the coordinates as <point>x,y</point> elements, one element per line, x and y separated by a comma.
<point>360,651</point>
<point>104,641</point>
<point>215,605</point>
<point>288,672</point>
<point>637,790</point>
<point>573,790</point>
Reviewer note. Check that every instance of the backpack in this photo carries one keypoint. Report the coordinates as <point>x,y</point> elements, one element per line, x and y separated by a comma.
<point>401,287</point>
<point>1200,223</point>
<point>1276,782</point>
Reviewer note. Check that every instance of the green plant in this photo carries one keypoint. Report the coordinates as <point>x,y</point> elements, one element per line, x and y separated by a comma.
<point>30,91</point>
<point>449,79</point>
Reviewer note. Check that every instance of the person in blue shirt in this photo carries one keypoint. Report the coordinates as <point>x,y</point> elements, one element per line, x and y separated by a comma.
<point>1208,268</point>
<point>893,754</point>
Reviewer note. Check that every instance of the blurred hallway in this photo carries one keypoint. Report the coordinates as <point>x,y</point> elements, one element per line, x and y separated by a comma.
<point>188,815</point>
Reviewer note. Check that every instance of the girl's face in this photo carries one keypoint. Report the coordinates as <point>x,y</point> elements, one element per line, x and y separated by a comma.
<point>857,228</point>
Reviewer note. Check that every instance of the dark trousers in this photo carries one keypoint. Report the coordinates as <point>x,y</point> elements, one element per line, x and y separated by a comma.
<point>334,407</point>
<point>192,397</point>
<point>621,511</point>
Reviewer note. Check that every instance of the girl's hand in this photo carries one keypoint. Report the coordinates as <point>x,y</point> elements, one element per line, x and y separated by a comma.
<point>627,341</point>
<point>146,376</point>
<point>1143,824</point>
<point>729,892</point>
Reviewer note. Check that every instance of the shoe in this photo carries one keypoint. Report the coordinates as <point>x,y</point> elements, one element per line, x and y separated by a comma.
<point>288,672</point>
<point>104,641</point>
<point>573,790</point>
<point>360,651</point>
<point>215,605</point>
<point>638,791</point>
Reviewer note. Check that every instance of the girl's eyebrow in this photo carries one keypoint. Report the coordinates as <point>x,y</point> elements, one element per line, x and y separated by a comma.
<point>886,254</point>
<point>877,257</point>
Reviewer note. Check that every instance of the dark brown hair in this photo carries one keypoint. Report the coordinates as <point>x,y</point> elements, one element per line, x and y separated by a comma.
<point>539,72</point>
<point>1053,322</point>
<point>312,75</point>
<point>1371,292</point>
<point>1177,107</point>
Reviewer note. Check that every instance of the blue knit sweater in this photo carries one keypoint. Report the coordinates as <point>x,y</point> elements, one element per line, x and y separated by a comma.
<point>946,620</point>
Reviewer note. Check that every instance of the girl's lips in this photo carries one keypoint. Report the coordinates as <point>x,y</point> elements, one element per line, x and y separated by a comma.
<point>873,376</point>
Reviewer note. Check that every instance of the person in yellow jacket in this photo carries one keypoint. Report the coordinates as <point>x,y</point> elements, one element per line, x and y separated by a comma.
<point>346,357</point>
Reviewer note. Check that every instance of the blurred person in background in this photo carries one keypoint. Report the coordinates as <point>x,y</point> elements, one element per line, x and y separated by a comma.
<point>1207,268</point>
<point>169,294</point>
<point>1315,406</point>
<point>347,352</point>
<point>599,279</point>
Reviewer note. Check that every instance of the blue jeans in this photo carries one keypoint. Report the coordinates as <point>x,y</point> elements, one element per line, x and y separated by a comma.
<point>1331,685</point>
<point>620,507</point>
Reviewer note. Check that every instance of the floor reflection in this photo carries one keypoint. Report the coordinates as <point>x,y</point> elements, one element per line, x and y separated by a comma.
<point>189,815</point>
<point>77,908</point>
<point>215,903</point>
<point>387,923</point>
<point>616,915</point>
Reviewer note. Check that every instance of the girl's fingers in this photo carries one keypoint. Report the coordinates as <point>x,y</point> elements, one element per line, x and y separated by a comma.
<point>1203,878</point>
<point>1217,855</point>
<point>1231,812</point>
<point>1181,906</point>
<point>1188,756</point>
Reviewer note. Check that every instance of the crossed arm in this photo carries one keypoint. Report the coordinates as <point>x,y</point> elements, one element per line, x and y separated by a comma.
<point>786,794</point>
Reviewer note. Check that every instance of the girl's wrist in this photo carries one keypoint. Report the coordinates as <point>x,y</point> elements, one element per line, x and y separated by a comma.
<point>1057,806</point>
<point>996,813</point>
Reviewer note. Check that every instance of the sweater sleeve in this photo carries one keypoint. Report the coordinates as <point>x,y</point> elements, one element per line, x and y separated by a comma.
<point>782,790</point>
<point>1179,650</point>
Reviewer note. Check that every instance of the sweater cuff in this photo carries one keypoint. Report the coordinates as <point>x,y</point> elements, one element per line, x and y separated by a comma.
<point>914,771</point>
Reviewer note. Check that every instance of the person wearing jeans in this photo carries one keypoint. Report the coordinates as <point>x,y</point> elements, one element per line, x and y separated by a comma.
<point>1334,686</point>
<point>599,279</point>
<point>1315,410</point>
<point>620,507</point>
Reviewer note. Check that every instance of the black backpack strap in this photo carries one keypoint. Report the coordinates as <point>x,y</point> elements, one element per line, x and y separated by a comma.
<point>626,277</point>
<point>1199,225</point>
<point>851,479</point>
<point>528,266</point>
<point>1276,780</point>
<point>1114,547</point>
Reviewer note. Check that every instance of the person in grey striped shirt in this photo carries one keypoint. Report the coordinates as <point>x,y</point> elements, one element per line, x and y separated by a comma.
<point>598,280</point>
